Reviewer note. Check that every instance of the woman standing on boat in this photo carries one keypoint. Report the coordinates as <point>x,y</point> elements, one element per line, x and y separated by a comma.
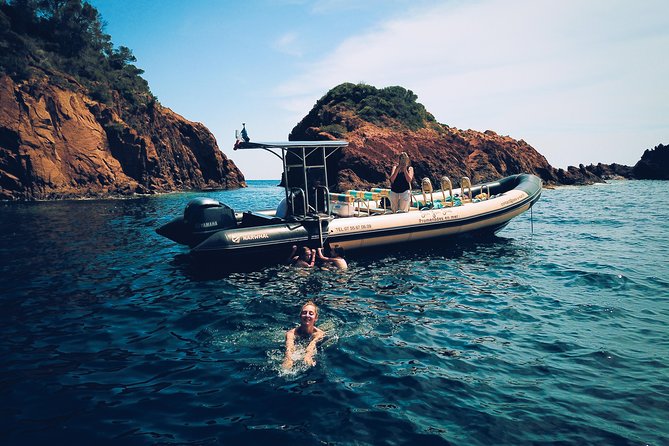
<point>400,184</point>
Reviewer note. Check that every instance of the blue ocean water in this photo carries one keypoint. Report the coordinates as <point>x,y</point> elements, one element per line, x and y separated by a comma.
<point>553,332</point>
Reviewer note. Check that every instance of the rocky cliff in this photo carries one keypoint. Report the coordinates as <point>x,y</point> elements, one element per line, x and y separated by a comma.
<point>381,123</point>
<point>57,142</point>
<point>653,165</point>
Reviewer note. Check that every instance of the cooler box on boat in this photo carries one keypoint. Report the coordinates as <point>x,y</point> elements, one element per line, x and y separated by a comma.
<point>352,201</point>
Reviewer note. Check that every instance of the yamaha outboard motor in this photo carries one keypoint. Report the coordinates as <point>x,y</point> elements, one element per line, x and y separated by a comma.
<point>202,218</point>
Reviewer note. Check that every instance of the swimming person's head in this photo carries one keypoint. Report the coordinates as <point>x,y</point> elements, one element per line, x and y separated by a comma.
<point>309,313</point>
<point>305,253</point>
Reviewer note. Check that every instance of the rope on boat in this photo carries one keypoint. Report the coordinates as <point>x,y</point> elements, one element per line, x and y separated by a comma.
<point>531,221</point>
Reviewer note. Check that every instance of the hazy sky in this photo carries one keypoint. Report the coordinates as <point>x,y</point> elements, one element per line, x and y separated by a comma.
<point>582,81</point>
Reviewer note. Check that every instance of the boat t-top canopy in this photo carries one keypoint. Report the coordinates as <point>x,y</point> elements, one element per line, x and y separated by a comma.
<point>292,145</point>
<point>305,171</point>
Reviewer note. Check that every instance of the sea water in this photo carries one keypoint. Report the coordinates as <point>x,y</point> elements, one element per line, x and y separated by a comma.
<point>553,332</point>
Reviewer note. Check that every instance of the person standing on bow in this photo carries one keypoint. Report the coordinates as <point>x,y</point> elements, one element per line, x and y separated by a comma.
<point>401,178</point>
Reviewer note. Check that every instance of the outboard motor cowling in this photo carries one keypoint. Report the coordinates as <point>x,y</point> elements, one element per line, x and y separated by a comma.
<point>202,217</point>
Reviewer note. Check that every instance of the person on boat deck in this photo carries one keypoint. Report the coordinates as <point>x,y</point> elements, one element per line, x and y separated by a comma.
<point>305,259</point>
<point>306,332</point>
<point>401,178</point>
<point>334,257</point>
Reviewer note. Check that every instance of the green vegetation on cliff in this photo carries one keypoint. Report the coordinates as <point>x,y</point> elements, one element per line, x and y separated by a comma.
<point>65,40</point>
<point>389,107</point>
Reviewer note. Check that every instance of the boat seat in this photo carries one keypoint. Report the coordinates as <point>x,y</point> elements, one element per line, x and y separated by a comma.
<point>440,203</point>
<point>363,194</point>
<point>341,198</point>
<point>381,191</point>
<point>251,219</point>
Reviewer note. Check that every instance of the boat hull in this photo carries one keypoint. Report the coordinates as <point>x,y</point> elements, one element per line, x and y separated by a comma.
<point>273,241</point>
<point>485,216</point>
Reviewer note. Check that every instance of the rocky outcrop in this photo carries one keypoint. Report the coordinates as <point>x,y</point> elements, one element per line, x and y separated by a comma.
<point>654,164</point>
<point>57,142</point>
<point>435,149</point>
<point>610,171</point>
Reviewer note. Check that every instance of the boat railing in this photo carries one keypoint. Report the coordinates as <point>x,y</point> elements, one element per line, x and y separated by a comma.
<point>483,195</point>
<point>465,184</point>
<point>293,194</point>
<point>384,197</point>
<point>446,183</point>
<point>361,202</point>
<point>449,200</point>
<point>323,193</point>
<point>323,218</point>
<point>426,188</point>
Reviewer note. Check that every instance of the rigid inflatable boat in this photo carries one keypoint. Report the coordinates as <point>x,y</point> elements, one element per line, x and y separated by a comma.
<point>312,216</point>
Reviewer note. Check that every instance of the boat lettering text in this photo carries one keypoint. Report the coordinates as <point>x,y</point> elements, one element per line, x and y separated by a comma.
<point>437,218</point>
<point>249,237</point>
<point>510,201</point>
<point>207,224</point>
<point>352,228</point>
<point>262,235</point>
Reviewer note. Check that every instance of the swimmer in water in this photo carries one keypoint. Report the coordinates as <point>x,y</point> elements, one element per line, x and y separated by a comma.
<point>307,331</point>
<point>305,259</point>
<point>334,257</point>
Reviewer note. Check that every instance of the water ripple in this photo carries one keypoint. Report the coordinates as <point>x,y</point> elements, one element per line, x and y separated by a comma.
<point>557,337</point>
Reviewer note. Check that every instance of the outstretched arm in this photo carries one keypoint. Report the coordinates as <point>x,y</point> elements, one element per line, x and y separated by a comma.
<point>290,349</point>
<point>311,348</point>
<point>312,261</point>
<point>322,256</point>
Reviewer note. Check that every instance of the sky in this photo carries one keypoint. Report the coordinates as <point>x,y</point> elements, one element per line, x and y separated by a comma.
<point>582,81</point>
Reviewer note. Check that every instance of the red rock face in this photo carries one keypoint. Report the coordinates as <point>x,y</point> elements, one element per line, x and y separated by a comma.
<point>435,151</point>
<point>381,123</point>
<point>449,152</point>
<point>56,143</point>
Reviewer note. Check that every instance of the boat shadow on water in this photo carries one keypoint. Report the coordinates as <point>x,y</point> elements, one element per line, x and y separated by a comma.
<point>199,268</point>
